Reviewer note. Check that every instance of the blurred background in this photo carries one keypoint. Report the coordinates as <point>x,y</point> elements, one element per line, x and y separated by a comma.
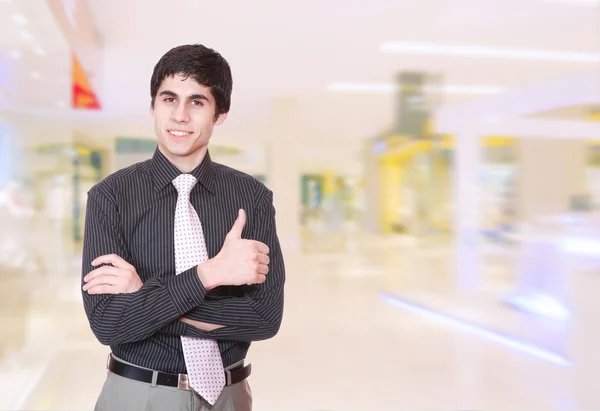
<point>436,170</point>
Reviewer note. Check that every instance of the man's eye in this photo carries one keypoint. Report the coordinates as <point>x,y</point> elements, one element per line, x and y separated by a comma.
<point>196,103</point>
<point>169,99</point>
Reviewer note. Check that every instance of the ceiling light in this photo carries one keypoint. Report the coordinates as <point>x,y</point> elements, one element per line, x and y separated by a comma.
<point>16,54</point>
<point>70,8</point>
<point>36,75</point>
<point>19,18</point>
<point>390,88</point>
<point>486,52</point>
<point>39,50</point>
<point>25,35</point>
<point>450,89</point>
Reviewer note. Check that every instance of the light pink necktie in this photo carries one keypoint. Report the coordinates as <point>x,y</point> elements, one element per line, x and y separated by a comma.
<point>202,356</point>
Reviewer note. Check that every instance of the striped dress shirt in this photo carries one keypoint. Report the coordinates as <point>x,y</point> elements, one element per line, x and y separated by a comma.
<point>131,213</point>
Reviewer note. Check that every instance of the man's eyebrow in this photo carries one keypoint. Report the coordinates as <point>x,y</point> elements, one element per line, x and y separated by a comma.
<point>195,96</point>
<point>167,93</point>
<point>198,97</point>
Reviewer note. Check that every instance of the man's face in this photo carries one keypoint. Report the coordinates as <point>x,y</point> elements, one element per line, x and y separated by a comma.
<point>184,117</point>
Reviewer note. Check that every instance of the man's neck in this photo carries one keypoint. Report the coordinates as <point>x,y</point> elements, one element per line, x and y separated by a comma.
<point>186,164</point>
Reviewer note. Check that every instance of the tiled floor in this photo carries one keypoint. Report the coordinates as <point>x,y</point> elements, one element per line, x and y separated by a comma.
<point>341,346</point>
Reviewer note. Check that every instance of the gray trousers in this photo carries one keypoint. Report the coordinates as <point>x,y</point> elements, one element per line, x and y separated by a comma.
<point>124,394</point>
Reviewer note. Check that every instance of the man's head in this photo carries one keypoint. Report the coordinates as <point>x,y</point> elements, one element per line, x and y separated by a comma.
<point>190,93</point>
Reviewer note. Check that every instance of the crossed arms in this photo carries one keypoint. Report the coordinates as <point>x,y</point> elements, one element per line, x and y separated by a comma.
<point>121,309</point>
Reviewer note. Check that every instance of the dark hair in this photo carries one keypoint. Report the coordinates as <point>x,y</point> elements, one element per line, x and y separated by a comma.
<point>201,63</point>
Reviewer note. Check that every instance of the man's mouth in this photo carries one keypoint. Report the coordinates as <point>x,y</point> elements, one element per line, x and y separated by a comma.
<point>179,133</point>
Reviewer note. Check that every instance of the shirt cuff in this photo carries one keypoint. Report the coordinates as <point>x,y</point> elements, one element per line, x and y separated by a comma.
<point>186,290</point>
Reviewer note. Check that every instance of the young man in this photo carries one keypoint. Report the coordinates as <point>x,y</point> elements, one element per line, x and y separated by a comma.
<point>182,267</point>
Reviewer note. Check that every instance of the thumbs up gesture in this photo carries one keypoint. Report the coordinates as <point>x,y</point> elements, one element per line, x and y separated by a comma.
<point>238,227</point>
<point>239,262</point>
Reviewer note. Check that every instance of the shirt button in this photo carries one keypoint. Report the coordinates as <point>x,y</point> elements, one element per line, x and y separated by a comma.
<point>190,300</point>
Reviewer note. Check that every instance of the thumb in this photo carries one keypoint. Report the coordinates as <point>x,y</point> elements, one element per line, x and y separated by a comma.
<point>238,226</point>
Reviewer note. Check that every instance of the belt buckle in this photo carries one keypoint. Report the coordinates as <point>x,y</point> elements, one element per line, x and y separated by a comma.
<point>183,382</point>
<point>227,377</point>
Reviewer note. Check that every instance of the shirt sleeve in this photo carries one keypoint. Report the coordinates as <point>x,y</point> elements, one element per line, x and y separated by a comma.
<point>254,312</point>
<point>124,318</point>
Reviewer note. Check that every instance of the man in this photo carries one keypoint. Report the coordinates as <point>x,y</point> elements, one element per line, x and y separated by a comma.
<point>182,267</point>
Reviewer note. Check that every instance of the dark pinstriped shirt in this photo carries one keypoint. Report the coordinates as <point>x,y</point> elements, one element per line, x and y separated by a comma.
<point>131,213</point>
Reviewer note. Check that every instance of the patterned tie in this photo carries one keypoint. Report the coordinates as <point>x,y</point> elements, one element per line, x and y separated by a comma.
<point>202,356</point>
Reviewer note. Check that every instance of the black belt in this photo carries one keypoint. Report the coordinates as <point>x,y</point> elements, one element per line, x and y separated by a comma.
<point>170,380</point>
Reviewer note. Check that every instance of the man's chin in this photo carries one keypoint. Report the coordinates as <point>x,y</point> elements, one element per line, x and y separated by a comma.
<point>174,149</point>
<point>179,151</point>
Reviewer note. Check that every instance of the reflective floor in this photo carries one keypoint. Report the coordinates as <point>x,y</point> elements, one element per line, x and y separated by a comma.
<point>343,345</point>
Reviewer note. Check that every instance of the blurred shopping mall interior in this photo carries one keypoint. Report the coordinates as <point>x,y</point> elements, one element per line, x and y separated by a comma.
<point>436,173</point>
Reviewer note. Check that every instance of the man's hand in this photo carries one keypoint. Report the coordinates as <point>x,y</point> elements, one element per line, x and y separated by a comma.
<point>239,262</point>
<point>119,278</point>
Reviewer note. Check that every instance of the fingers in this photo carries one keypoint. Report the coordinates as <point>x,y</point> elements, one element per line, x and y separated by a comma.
<point>261,262</point>
<point>258,246</point>
<point>105,280</point>
<point>105,270</point>
<point>263,269</point>
<point>263,259</point>
<point>113,259</point>
<point>257,279</point>
<point>103,289</point>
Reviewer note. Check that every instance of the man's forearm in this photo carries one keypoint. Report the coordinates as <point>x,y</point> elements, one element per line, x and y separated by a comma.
<point>264,332</point>
<point>123,318</point>
<point>231,318</point>
<point>251,316</point>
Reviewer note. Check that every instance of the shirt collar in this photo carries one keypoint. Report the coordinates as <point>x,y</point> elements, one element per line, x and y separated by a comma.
<point>164,172</point>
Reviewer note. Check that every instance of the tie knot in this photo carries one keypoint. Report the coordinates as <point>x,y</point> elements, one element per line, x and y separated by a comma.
<point>184,184</point>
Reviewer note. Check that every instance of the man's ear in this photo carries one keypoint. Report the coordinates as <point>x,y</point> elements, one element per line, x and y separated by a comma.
<point>221,119</point>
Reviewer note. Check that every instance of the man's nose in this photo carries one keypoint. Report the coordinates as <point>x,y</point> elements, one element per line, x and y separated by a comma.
<point>180,113</point>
